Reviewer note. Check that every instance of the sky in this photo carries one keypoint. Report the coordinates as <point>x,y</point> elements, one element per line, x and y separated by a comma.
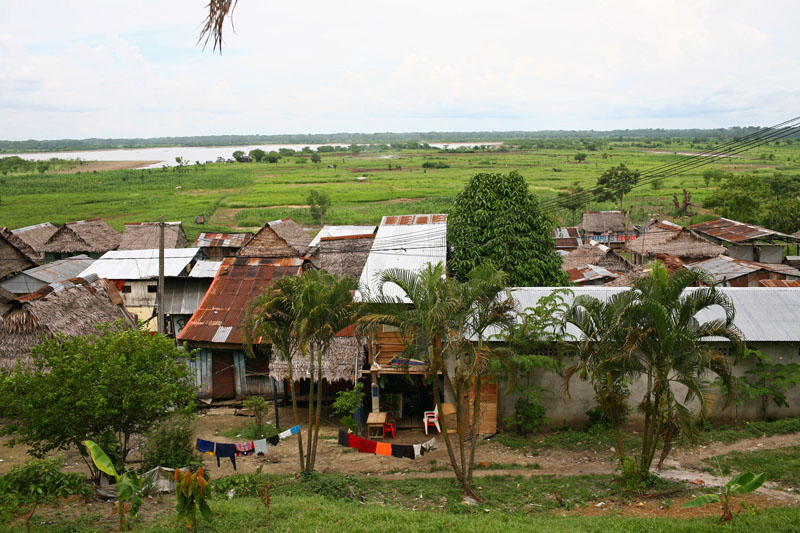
<point>96,68</point>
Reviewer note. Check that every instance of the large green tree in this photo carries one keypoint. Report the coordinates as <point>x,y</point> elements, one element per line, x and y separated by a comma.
<point>497,220</point>
<point>118,382</point>
<point>616,182</point>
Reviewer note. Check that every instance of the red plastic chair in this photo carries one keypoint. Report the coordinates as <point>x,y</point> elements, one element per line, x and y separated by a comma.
<point>388,427</point>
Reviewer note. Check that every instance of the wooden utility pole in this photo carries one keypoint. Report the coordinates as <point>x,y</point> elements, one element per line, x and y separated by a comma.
<point>160,293</point>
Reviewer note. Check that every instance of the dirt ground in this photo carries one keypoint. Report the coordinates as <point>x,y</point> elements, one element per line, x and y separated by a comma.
<point>90,166</point>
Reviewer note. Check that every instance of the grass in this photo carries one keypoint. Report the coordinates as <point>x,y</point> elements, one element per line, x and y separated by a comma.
<point>781,465</point>
<point>250,431</point>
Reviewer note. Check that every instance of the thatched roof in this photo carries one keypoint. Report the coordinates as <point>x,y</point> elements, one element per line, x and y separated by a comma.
<point>673,264</point>
<point>668,238</point>
<point>12,259</point>
<point>36,236</point>
<point>343,256</point>
<point>345,356</point>
<point>91,235</point>
<point>599,222</point>
<point>596,254</point>
<point>279,238</point>
<point>70,307</point>
<point>145,236</point>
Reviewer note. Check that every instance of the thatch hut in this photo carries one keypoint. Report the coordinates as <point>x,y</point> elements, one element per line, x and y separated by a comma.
<point>72,307</point>
<point>35,237</point>
<point>343,256</point>
<point>342,362</point>
<point>606,226</point>
<point>279,238</point>
<point>92,237</point>
<point>145,236</point>
<point>12,258</point>
<point>673,264</point>
<point>598,255</point>
<point>663,237</point>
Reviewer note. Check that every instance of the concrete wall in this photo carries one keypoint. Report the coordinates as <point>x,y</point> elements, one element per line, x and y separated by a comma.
<point>571,411</point>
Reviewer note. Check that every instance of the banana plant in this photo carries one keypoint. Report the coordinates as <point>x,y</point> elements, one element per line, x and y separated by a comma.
<point>742,483</point>
<point>128,485</point>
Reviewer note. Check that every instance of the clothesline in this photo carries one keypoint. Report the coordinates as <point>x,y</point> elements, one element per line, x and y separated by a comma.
<point>411,451</point>
<point>243,449</point>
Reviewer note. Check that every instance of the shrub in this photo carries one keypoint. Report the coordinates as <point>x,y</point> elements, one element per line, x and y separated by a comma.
<point>258,406</point>
<point>40,479</point>
<point>170,444</point>
<point>529,413</point>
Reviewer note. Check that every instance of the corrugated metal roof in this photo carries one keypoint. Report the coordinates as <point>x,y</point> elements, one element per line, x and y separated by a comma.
<point>567,238</point>
<point>732,231</point>
<point>341,231</point>
<point>141,264</point>
<point>61,269</point>
<point>409,242</point>
<point>587,273</point>
<point>182,296</point>
<point>722,268</point>
<point>205,269</point>
<point>218,319</point>
<point>762,314</point>
<point>780,283</point>
<point>225,240</point>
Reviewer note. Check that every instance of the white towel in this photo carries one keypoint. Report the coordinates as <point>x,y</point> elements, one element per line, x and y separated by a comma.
<point>417,450</point>
<point>260,447</point>
<point>285,434</point>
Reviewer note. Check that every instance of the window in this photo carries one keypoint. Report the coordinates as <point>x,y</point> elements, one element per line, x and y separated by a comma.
<point>126,289</point>
<point>152,288</point>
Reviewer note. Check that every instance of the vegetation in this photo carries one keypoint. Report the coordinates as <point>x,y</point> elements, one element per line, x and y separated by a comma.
<point>743,483</point>
<point>259,407</point>
<point>192,494</point>
<point>780,465</point>
<point>170,444</point>
<point>127,485</point>
<point>117,383</point>
<point>496,220</point>
<point>616,182</point>
<point>318,205</point>
<point>346,404</point>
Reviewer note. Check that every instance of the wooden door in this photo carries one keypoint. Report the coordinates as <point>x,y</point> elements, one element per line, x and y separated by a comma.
<point>222,373</point>
<point>487,420</point>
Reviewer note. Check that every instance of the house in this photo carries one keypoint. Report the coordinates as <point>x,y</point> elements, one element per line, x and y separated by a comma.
<point>341,231</point>
<point>71,307</point>
<point>610,227</point>
<point>768,318</point>
<point>216,328</point>
<point>35,278</point>
<point>567,238</point>
<point>731,272</point>
<point>279,238</point>
<point>596,254</point>
<point>12,258</point>
<point>182,295</point>
<point>135,273</point>
<point>627,279</point>
<point>92,237</point>
<point>146,236</point>
<point>591,275</point>
<point>746,241</point>
<point>216,246</point>
<point>342,250</point>
<point>664,237</point>
<point>35,237</point>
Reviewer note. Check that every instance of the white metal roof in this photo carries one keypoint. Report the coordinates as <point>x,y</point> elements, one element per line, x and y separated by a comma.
<point>141,264</point>
<point>409,242</point>
<point>205,269</point>
<point>763,314</point>
<point>341,231</point>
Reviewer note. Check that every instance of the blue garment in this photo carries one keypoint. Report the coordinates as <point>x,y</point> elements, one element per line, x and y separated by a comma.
<point>295,430</point>
<point>226,450</point>
<point>205,446</point>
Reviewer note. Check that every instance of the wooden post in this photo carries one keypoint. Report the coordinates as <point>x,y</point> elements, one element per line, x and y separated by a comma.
<point>160,293</point>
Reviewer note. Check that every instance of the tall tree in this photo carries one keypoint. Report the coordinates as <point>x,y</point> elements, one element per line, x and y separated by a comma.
<point>572,199</point>
<point>496,219</point>
<point>616,182</point>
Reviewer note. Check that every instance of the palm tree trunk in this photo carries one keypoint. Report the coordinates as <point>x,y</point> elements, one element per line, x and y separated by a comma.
<point>319,409</point>
<point>296,418</point>
<point>443,424</point>
<point>458,469</point>
<point>310,430</point>
<point>476,409</point>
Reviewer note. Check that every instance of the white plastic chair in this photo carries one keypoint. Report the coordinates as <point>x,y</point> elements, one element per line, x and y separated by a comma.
<point>432,418</point>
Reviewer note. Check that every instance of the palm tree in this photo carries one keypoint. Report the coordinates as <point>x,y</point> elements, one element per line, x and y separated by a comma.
<point>667,344</point>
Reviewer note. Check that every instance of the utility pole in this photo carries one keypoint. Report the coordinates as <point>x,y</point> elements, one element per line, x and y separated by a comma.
<point>160,293</point>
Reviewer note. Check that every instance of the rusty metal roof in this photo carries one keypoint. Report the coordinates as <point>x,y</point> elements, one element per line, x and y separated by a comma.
<point>735,232</point>
<point>587,273</point>
<point>225,240</point>
<point>723,268</point>
<point>780,283</point>
<point>218,319</point>
<point>567,238</point>
<point>410,220</point>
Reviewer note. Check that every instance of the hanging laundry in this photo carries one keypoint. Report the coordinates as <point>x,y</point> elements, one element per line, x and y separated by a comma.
<point>367,446</point>
<point>398,450</point>
<point>289,432</point>
<point>205,446</point>
<point>383,448</point>
<point>273,440</point>
<point>410,452</point>
<point>417,449</point>
<point>430,445</point>
<point>295,429</point>
<point>260,447</point>
<point>226,450</point>
<point>244,448</point>
<point>353,440</point>
<point>342,437</point>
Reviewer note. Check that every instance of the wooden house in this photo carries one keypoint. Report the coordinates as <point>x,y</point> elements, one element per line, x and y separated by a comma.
<point>217,246</point>
<point>730,272</point>
<point>70,307</point>
<point>279,238</point>
<point>146,236</point>
<point>35,238</point>
<point>182,295</point>
<point>567,238</point>
<point>664,237</point>
<point>92,237</point>
<point>613,228</point>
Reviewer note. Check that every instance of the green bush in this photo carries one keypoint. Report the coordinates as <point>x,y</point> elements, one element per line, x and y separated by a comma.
<point>171,444</point>
<point>529,413</point>
<point>41,479</point>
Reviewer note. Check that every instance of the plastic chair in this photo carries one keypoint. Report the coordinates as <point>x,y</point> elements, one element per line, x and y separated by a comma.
<point>431,418</point>
<point>388,428</point>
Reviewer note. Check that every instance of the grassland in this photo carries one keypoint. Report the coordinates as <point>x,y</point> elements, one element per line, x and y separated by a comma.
<point>239,196</point>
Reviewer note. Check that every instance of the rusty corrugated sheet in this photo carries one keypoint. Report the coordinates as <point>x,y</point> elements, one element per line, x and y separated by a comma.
<point>226,240</point>
<point>723,268</point>
<point>588,273</point>
<point>410,220</point>
<point>734,232</point>
<point>780,283</point>
<point>219,317</point>
<point>567,238</point>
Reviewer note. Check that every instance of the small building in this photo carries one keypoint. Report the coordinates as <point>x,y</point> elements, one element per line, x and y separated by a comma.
<point>35,237</point>
<point>608,227</point>
<point>342,231</point>
<point>596,254</point>
<point>664,237</point>
<point>567,238</point>
<point>92,237</point>
<point>216,246</point>
<point>146,236</point>
<point>182,295</point>
<point>35,278</point>
<point>71,307</point>
<point>730,272</point>
<point>279,238</point>
<point>785,284</point>
<point>672,264</point>
<point>591,275</point>
<point>222,371</point>
<point>135,273</point>
<point>746,241</point>
<point>12,258</point>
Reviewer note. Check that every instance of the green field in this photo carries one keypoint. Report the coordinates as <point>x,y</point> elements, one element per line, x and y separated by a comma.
<point>245,195</point>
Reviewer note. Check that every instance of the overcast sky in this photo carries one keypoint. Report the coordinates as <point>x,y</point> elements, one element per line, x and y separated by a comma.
<point>133,69</point>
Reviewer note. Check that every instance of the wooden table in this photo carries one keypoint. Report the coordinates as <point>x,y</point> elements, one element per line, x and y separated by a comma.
<point>376,421</point>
